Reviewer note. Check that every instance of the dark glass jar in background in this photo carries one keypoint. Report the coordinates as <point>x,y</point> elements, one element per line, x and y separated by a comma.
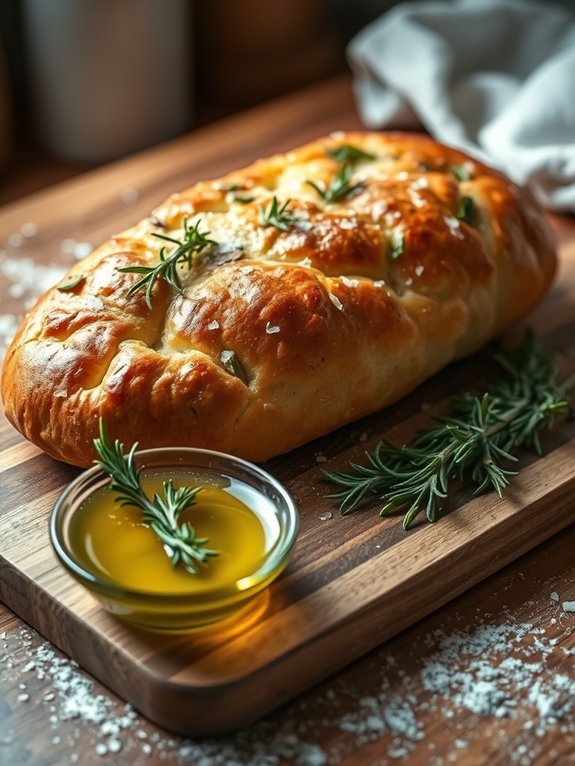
<point>108,77</point>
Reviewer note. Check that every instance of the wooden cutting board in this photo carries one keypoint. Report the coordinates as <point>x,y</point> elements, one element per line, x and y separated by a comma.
<point>354,581</point>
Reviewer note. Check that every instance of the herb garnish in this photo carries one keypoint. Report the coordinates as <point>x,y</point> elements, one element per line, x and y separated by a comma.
<point>193,241</point>
<point>243,198</point>
<point>231,362</point>
<point>470,444</point>
<point>162,514</point>
<point>339,187</point>
<point>277,216</point>
<point>467,212</point>
<point>460,172</point>
<point>71,283</point>
<point>349,153</point>
<point>396,244</point>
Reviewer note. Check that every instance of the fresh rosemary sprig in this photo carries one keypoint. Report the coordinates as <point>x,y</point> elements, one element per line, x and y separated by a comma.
<point>472,443</point>
<point>349,153</point>
<point>162,514</point>
<point>339,187</point>
<point>193,241</point>
<point>277,216</point>
<point>467,210</point>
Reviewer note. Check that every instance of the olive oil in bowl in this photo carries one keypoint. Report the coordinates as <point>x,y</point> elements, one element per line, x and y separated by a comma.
<point>245,514</point>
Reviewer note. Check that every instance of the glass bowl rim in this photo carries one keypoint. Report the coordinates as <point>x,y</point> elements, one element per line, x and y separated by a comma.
<point>114,591</point>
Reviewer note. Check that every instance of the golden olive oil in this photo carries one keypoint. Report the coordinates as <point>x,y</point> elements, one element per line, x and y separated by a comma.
<point>115,544</point>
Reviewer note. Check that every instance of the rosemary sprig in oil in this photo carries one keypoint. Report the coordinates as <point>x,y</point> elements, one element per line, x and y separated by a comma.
<point>192,242</point>
<point>162,513</point>
<point>472,444</point>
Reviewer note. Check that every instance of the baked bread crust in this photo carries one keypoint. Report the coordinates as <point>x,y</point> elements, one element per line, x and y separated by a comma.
<point>342,313</point>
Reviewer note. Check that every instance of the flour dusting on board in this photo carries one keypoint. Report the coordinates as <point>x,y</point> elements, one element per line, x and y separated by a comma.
<point>518,671</point>
<point>21,278</point>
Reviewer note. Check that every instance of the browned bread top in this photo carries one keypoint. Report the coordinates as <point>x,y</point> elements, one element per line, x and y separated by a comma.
<point>282,334</point>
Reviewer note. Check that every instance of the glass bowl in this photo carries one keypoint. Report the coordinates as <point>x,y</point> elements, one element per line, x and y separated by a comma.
<point>177,612</point>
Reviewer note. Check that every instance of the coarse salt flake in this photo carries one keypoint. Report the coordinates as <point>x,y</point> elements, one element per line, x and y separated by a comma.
<point>271,329</point>
<point>214,325</point>
<point>554,596</point>
<point>349,282</point>
<point>416,200</point>
<point>568,606</point>
<point>419,270</point>
<point>336,301</point>
<point>454,226</point>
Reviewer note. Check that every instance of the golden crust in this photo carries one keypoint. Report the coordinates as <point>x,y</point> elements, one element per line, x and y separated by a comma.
<point>327,324</point>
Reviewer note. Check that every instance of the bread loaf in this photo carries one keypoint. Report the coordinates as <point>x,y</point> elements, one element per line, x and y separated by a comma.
<point>401,256</point>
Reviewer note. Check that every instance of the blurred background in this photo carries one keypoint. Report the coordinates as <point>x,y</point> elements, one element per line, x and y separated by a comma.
<point>84,82</point>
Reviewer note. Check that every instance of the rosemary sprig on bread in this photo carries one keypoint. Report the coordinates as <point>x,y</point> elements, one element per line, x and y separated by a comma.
<point>193,241</point>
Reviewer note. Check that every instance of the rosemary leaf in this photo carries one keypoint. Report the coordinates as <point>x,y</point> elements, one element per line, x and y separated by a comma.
<point>193,241</point>
<point>162,513</point>
<point>472,444</point>
<point>277,216</point>
<point>231,362</point>
<point>71,283</point>
<point>460,172</point>
<point>340,186</point>
<point>467,211</point>
<point>349,153</point>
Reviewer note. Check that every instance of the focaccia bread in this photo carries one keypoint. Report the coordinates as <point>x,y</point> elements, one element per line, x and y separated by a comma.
<point>310,305</point>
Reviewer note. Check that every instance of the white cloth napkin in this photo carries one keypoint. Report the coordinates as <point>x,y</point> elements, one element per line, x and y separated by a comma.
<point>493,77</point>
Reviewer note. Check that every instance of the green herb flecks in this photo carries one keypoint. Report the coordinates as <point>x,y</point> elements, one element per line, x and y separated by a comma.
<point>71,283</point>
<point>472,444</point>
<point>467,211</point>
<point>192,242</point>
<point>340,186</point>
<point>231,362</point>
<point>396,245</point>
<point>350,154</point>
<point>277,216</point>
<point>460,172</point>
<point>163,512</point>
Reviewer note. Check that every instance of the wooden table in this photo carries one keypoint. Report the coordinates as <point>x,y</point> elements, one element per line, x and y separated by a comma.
<point>394,705</point>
